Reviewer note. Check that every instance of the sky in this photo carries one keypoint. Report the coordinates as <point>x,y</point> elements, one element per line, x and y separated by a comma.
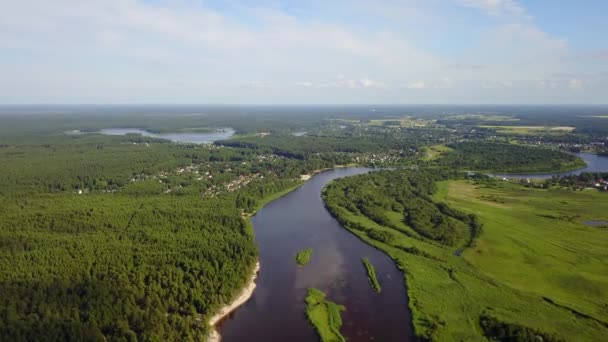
<point>303,52</point>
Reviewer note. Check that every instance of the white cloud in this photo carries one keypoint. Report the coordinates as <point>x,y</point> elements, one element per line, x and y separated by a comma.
<point>495,7</point>
<point>575,83</point>
<point>177,50</point>
<point>417,85</point>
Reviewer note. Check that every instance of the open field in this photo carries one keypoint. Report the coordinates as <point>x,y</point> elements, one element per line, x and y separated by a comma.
<point>535,267</point>
<point>435,152</point>
<point>483,117</point>
<point>523,130</point>
<point>400,122</point>
<point>535,241</point>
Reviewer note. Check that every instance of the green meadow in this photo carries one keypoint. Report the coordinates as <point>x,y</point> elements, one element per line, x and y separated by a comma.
<point>530,130</point>
<point>534,271</point>
<point>325,316</point>
<point>435,152</point>
<point>534,240</point>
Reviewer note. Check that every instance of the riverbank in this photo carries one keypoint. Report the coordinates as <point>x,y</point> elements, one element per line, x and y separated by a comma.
<point>303,179</point>
<point>243,297</point>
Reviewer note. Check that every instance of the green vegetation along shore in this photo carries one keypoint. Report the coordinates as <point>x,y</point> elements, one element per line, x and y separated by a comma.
<point>303,256</point>
<point>512,262</point>
<point>371,275</point>
<point>325,316</point>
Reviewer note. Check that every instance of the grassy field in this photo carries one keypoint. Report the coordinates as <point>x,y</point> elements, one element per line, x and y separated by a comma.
<point>597,116</point>
<point>535,266</point>
<point>435,152</point>
<point>303,256</point>
<point>483,117</point>
<point>400,122</point>
<point>534,241</point>
<point>325,316</point>
<point>525,130</point>
<point>371,275</point>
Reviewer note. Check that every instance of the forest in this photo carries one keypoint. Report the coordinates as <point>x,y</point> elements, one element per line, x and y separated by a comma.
<point>409,204</point>
<point>127,238</point>
<point>509,158</point>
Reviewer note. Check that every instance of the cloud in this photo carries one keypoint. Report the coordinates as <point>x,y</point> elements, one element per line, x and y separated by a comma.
<point>273,51</point>
<point>495,7</point>
<point>344,82</point>
<point>596,55</point>
<point>461,66</point>
<point>416,85</point>
<point>575,83</point>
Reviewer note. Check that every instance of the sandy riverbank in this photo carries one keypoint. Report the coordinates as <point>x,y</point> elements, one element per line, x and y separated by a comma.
<point>245,294</point>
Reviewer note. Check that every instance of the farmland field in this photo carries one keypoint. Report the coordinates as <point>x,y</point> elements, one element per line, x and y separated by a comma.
<point>526,130</point>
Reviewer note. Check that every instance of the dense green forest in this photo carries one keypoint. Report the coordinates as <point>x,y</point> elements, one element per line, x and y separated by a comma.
<point>119,266</point>
<point>408,203</point>
<point>509,158</point>
<point>127,237</point>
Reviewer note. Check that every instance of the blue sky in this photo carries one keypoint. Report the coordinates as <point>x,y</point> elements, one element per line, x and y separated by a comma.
<point>273,51</point>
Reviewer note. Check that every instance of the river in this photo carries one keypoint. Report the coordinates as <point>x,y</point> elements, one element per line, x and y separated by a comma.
<point>276,311</point>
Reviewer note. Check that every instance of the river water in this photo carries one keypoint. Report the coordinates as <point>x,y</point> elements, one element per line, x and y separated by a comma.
<point>276,311</point>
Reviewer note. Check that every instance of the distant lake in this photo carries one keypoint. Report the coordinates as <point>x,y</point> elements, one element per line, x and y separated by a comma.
<point>595,163</point>
<point>182,137</point>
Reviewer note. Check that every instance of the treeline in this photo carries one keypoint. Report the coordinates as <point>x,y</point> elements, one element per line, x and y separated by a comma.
<point>305,147</point>
<point>498,157</point>
<point>380,194</point>
<point>589,121</point>
<point>116,267</point>
<point>95,163</point>
<point>582,180</point>
<point>497,330</point>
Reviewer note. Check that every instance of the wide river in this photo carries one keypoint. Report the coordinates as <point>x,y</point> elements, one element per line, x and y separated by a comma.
<point>276,311</point>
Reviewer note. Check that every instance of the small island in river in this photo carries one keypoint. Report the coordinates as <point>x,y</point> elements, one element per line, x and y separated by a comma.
<point>324,315</point>
<point>303,256</point>
<point>371,275</point>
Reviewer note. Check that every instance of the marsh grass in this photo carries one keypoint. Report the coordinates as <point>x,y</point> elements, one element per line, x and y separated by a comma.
<point>371,275</point>
<point>325,316</point>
